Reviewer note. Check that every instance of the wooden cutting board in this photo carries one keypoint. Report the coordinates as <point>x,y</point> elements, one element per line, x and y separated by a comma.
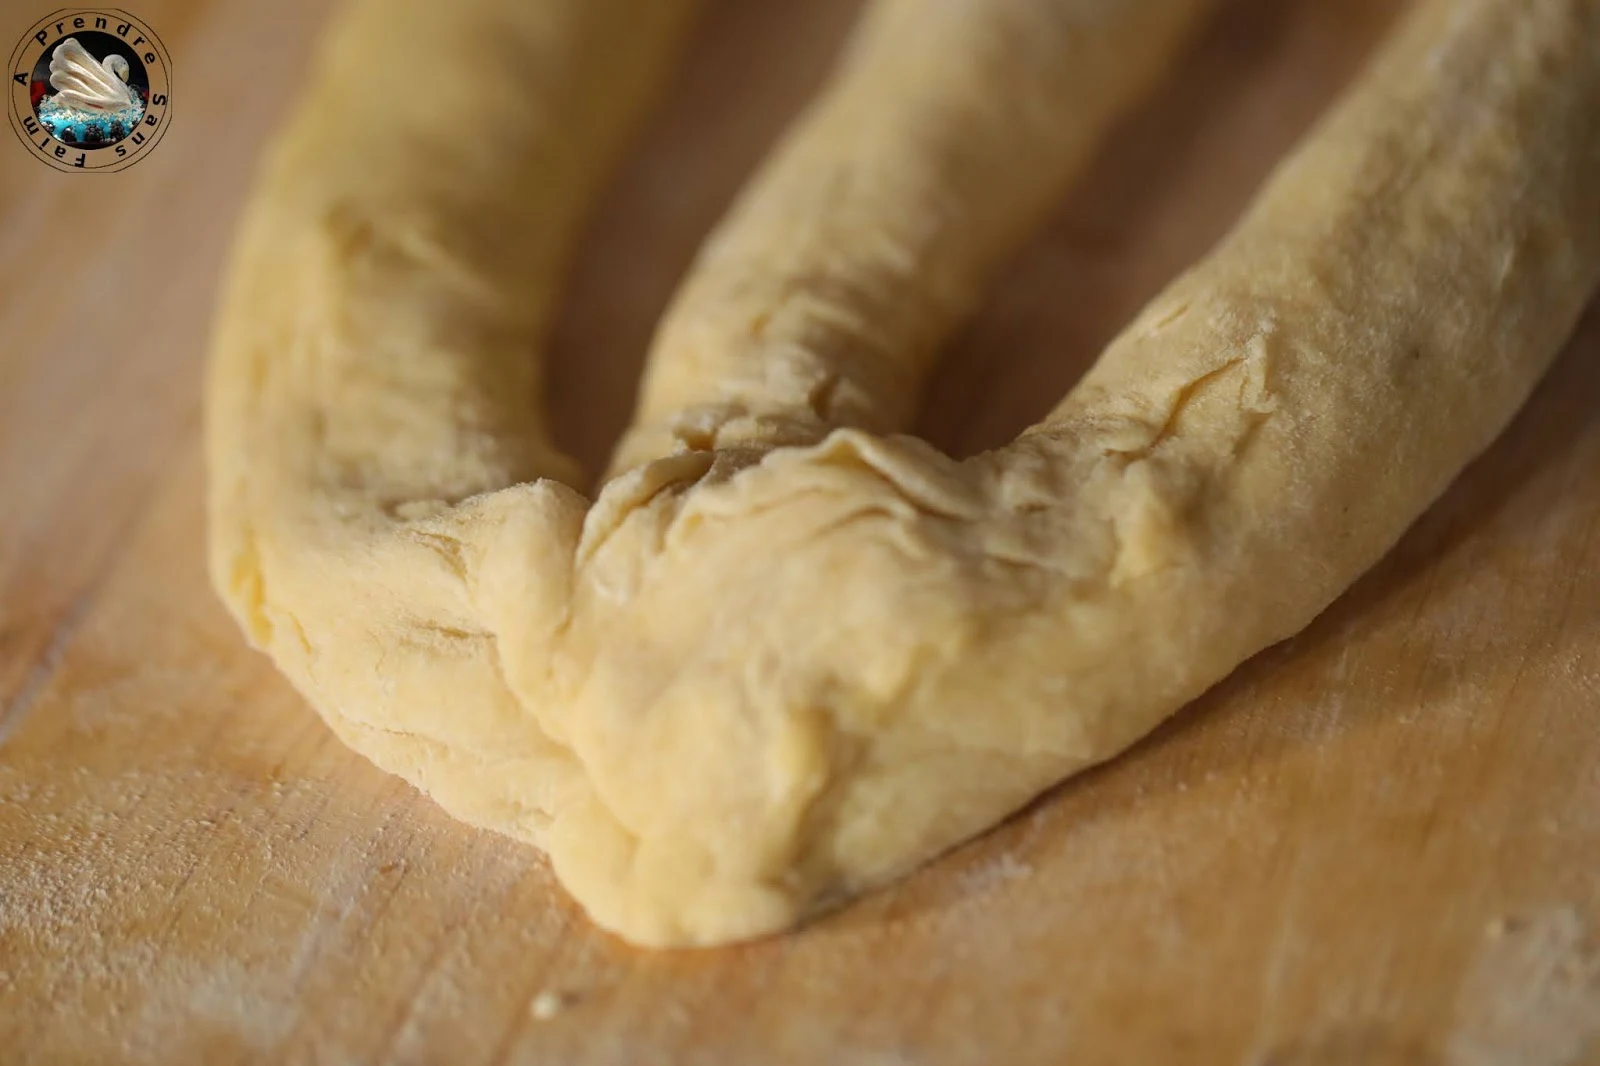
<point>1376,843</point>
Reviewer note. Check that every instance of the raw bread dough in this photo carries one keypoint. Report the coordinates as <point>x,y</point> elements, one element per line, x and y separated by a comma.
<point>786,654</point>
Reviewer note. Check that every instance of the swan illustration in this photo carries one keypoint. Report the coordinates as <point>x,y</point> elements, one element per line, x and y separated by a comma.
<point>88,84</point>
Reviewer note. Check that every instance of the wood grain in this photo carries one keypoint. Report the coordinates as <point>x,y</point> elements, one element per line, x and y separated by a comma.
<point>1376,843</point>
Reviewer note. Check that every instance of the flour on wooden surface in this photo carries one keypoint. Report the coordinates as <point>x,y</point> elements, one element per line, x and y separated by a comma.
<point>77,876</point>
<point>1532,997</point>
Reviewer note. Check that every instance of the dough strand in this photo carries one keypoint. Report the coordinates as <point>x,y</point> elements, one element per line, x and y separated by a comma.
<point>873,230</point>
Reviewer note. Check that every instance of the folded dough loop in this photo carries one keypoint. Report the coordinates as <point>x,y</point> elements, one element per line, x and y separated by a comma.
<point>785,655</point>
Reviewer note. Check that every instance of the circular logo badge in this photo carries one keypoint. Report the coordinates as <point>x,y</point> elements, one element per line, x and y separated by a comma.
<point>90,89</point>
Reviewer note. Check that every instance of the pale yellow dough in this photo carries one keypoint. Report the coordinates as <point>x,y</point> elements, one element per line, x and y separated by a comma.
<point>786,654</point>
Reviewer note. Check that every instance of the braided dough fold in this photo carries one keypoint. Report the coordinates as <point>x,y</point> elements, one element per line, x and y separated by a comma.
<point>786,654</point>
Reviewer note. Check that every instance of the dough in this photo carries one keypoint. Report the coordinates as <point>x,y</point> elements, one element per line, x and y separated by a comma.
<point>787,654</point>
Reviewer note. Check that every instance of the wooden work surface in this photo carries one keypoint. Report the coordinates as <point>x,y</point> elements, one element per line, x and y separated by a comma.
<point>1378,843</point>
